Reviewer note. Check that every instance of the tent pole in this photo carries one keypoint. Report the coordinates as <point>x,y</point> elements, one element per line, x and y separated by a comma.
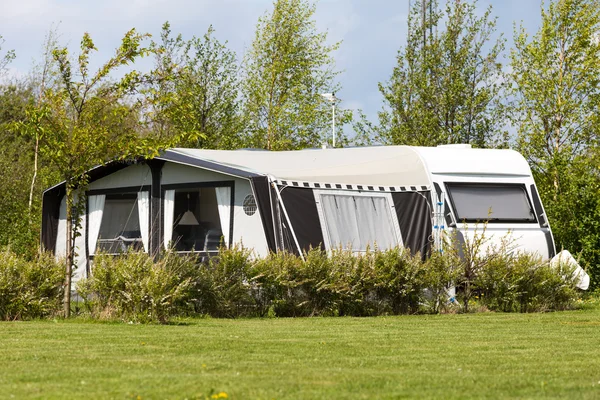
<point>285,214</point>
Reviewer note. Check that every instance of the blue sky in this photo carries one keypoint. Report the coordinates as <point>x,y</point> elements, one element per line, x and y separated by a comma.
<point>371,31</point>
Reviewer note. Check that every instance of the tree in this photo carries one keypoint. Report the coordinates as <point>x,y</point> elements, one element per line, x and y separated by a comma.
<point>6,58</point>
<point>85,122</point>
<point>556,79</point>
<point>16,154</point>
<point>287,68</point>
<point>447,84</point>
<point>197,90</point>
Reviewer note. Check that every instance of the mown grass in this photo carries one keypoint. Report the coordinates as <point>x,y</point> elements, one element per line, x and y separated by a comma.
<point>487,355</point>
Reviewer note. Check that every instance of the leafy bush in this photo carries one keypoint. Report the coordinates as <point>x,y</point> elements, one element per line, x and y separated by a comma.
<point>30,288</point>
<point>136,288</point>
<point>503,279</point>
<point>222,286</point>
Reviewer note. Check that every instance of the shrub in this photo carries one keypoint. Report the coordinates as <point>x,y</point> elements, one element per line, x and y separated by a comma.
<point>30,288</point>
<point>134,287</point>
<point>522,282</point>
<point>223,288</point>
<point>441,273</point>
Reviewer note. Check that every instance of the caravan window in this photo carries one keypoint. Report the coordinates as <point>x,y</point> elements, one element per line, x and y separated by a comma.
<point>119,228</point>
<point>356,221</point>
<point>197,219</point>
<point>490,202</point>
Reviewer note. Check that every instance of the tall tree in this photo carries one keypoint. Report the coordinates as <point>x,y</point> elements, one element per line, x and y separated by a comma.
<point>287,68</point>
<point>197,90</point>
<point>556,78</point>
<point>447,83</point>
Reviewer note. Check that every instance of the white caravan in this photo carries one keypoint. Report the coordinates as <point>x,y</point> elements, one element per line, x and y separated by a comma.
<point>387,196</point>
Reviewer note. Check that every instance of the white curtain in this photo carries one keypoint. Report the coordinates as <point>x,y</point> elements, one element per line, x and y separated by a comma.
<point>224,204</point>
<point>95,212</point>
<point>61,232</point>
<point>169,212</point>
<point>80,259</point>
<point>358,221</point>
<point>342,225</point>
<point>143,202</point>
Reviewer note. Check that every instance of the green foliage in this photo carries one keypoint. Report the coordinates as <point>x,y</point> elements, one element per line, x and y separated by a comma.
<point>501,278</point>
<point>390,282</point>
<point>195,91</point>
<point>133,287</point>
<point>557,106</point>
<point>5,58</point>
<point>447,85</point>
<point>523,283</point>
<point>29,289</point>
<point>287,68</point>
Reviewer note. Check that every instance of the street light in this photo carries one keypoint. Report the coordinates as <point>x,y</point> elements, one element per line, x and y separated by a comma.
<point>330,97</point>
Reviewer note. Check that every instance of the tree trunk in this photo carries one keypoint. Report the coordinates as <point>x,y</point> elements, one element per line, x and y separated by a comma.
<point>35,170</point>
<point>70,250</point>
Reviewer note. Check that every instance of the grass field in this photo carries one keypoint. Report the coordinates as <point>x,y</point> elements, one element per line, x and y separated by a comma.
<point>447,356</point>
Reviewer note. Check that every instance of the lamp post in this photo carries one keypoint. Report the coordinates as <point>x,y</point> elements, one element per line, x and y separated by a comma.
<point>330,97</point>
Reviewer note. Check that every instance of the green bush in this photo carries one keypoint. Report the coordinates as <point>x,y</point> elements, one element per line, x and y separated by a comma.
<point>30,288</point>
<point>522,282</point>
<point>223,288</point>
<point>134,287</point>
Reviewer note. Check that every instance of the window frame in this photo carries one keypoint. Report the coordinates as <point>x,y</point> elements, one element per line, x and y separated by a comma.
<point>448,186</point>
<point>197,185</point>
<point>107,192</point>
<point>323,221</point>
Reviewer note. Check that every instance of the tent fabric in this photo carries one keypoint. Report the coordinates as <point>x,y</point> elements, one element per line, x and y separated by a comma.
<point>414,216</point>
<point>50,219</point>
<point>95,211</point>
<point>223,194</point>
<point>358,221</point>
<point>304,217</point>
<point>143,203</point>
<point>264,201</point>
<point>379,165</point>
<point>169,215</point>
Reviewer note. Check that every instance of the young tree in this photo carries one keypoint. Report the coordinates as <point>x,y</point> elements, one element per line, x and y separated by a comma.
<point>84,122</point>
<point>446,86</point>
<point>556,79</point>
<point>287,68</point>
<point>197,90</point>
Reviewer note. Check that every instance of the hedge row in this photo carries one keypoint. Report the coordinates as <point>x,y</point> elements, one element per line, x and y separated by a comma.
<point>133,287</point>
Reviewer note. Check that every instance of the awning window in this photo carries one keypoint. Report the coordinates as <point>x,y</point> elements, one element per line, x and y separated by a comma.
<point>357,221</point>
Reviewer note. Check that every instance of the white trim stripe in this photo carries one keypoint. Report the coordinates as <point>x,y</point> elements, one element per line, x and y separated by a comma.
<point>344,186</point>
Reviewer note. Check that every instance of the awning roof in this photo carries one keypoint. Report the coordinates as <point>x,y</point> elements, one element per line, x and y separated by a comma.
<point>384,165</point>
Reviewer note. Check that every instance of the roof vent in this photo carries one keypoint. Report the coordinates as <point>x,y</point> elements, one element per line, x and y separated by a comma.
<point>456,146</point>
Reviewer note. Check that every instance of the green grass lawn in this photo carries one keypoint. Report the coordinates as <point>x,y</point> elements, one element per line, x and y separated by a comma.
<point>446,356</point>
